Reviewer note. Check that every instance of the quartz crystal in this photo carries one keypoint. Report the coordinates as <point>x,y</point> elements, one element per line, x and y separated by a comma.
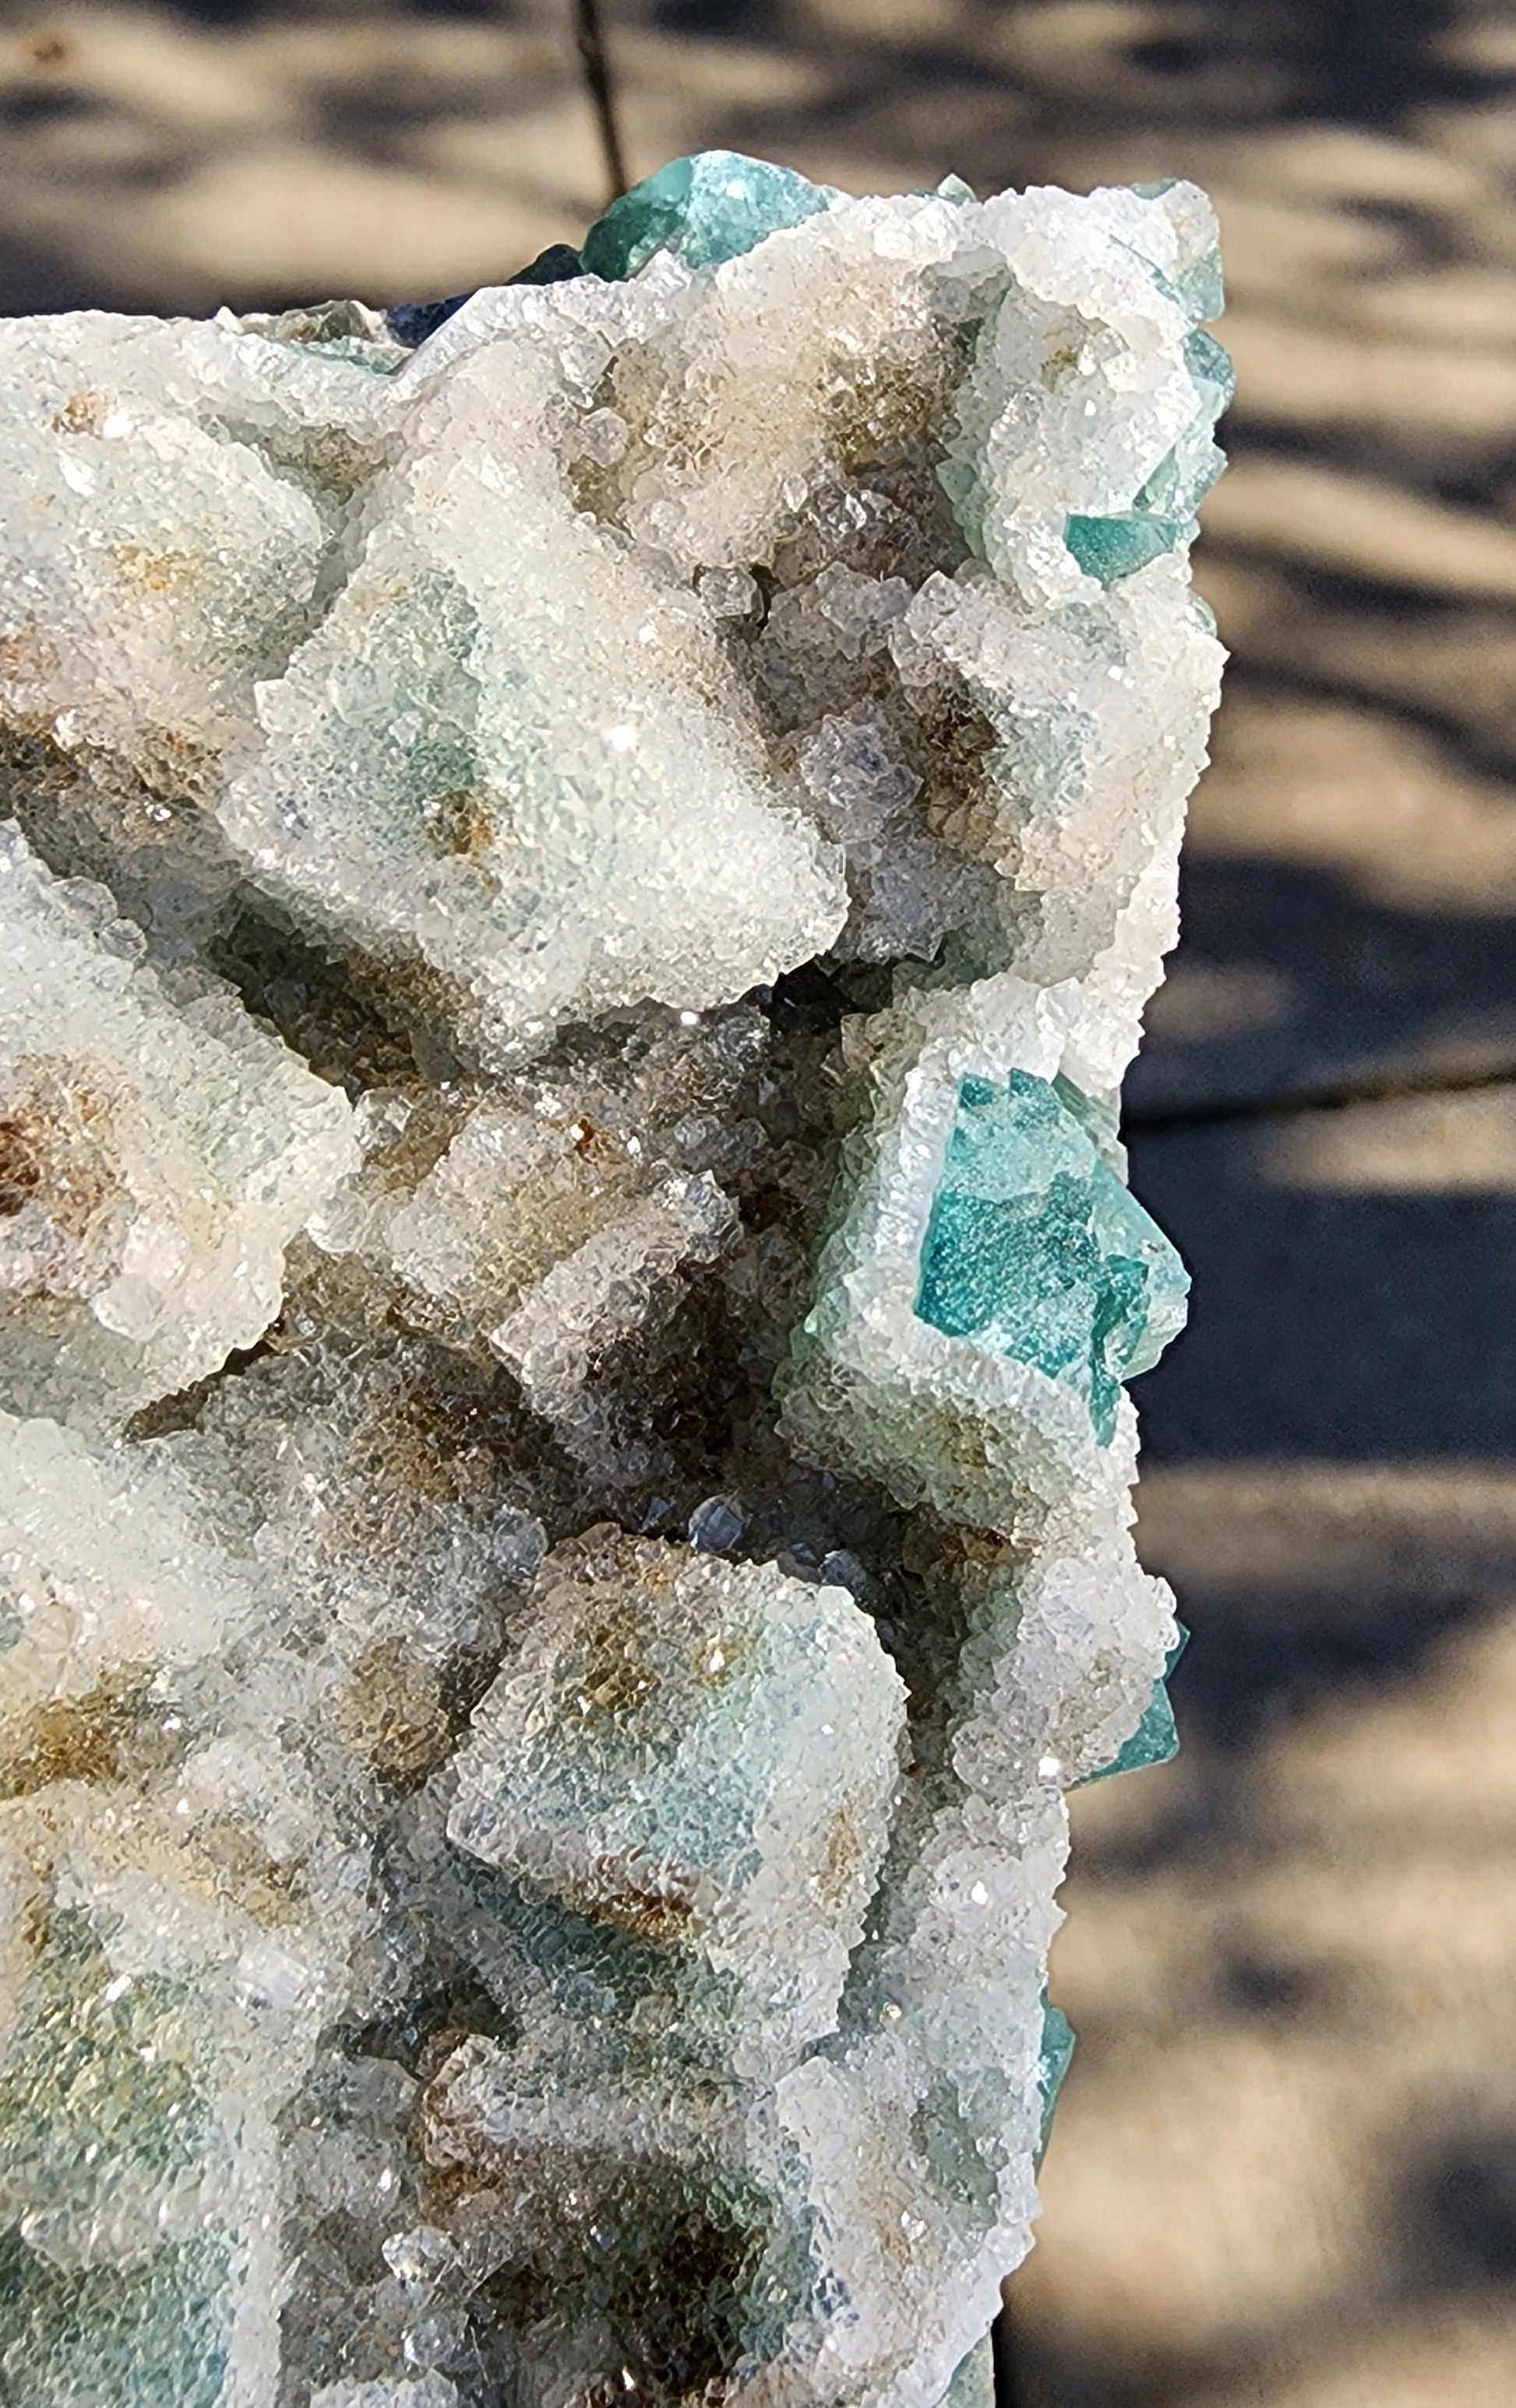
<point>579,873</point>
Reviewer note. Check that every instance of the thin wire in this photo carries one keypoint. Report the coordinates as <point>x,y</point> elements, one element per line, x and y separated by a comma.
<point>590,41</point>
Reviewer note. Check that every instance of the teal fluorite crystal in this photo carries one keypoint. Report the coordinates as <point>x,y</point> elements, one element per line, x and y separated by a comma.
<point>1198,288</point>
<point>154,2333</point>
<point>714,206</point>
<point>1113,548</point>
<point>473,1939</point>
<point>96,2082</point>
<point>1039,1252</point>
<point>1215,380</point>
<point>711,206</point>
<point>1162,513</point>
<point>1156,1738</point>
<point>973,2385</point>
<point>1053,2064</point>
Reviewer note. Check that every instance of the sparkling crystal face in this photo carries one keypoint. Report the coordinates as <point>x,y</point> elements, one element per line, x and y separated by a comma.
<point>1037,1250</point>
<point>582,870</point>
<point>1156,1739</point>
<point>704,209</point>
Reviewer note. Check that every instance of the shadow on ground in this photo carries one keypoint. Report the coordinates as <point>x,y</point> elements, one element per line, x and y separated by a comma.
<point>889,76</point>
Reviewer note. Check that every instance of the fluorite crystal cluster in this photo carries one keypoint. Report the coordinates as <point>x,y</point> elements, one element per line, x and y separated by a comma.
<point>577,894</point>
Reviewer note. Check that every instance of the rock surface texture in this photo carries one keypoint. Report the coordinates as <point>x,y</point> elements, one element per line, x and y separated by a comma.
<point>576,899</point>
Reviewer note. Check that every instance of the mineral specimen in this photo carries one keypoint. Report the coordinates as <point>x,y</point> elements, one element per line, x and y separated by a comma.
<point>582,871</point>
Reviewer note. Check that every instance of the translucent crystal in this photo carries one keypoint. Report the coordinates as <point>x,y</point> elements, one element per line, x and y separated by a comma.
<point>151,2334</point>
<point>1036,1249</point>
<point>1162,513</point>
<point>427,2391</point>
<point>495,816</point>
<point>1156,1738</point>
<point>706,208</point>
<point>183,1904</point>
<point>581,870</point>
<point>973,2385</point>
<point>700,1751</point>
<point>157,1152</point>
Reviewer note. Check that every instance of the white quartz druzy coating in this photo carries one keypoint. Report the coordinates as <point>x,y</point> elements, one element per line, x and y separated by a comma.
<point>699,1749</point>
<point>160,1151</point>
<point>574,902</point>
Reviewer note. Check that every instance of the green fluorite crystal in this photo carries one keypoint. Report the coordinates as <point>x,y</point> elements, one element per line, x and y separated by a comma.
<point>1197,286</point>
<point>714,206</point>
<point>1036,1249</point>
<point>973,2385</point>
<point>96,2080</point>
<point>1156,1738</point>
<point>1053,2064</point>
<point>1162,513</point>
<point>558,264</point>
<point>1117,547</point>
<point>153,2334</point>
<point>453,1955</point>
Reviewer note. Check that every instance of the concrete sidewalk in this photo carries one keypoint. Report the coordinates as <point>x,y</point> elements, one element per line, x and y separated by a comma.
<point>1284,2169</point>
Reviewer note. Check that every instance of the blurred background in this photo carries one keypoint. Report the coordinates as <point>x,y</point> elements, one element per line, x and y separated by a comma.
<point>1284,2169</point>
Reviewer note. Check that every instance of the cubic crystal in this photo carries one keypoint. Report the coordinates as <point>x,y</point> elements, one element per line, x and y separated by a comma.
<point>713,207</point>
<point>1156,1738</point>
<point>702,1752</point>
<point>581,870</point>
<point>1036,1249</point>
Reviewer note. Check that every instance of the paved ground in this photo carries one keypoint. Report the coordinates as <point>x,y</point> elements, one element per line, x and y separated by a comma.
<point>1284,2172</point>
